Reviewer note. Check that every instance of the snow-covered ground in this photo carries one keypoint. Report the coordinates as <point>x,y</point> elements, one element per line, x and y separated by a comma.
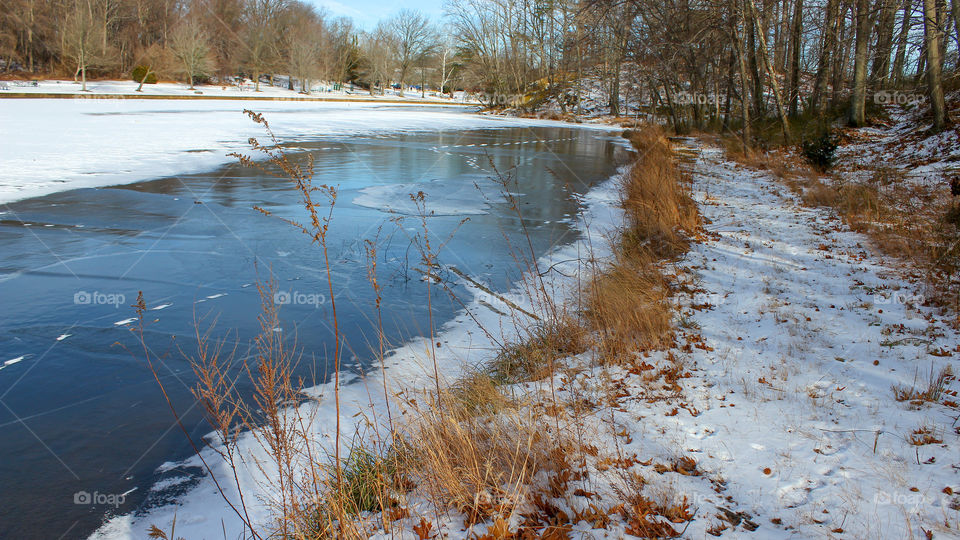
<point>793,335</point>
<point>808,333</point>
<point>51,145</point>
<point>902,143</point>
<point>793,341</point>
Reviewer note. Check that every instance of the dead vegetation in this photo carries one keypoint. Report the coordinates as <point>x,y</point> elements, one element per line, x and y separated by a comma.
<point>933,392</point>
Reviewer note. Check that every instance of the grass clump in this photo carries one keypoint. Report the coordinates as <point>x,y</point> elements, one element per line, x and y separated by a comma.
<point>660,211</point>
<point>479,465</point>
<point>936,384</point>
<point>534,357</point>
<point>628,303</point>
<point>629,307</point>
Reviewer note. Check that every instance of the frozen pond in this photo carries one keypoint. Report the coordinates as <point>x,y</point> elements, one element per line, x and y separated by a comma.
<point>79,410</point>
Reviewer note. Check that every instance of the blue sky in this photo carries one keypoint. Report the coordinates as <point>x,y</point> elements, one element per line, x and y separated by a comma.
<point>366,13</point>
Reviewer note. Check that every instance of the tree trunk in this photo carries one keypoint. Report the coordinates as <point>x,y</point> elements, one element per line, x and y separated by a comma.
<point>900,59</point>
<point>932,38</point>
<point>840,55</point>
<point>955,13</point>
<point>774,85</point>
<point>881,61</point>
<point>742,65</point>
<point>147,74</point>
<point>796,44</point>
<point>757,76</point>
<point>823,64</point>
<point>615,91</point>
<point>858,98</point>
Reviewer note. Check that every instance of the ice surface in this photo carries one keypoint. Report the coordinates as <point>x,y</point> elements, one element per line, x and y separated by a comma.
<point>440,198</point>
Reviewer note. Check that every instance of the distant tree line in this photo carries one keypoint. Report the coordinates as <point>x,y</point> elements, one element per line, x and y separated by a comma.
<point>221,39</point>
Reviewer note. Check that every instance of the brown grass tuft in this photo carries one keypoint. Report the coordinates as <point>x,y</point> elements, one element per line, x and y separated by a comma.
<point>660,212</point>
<point>629,307</point>
<point>628,303</point>
<point>480,465</point>
<point>534,357</point>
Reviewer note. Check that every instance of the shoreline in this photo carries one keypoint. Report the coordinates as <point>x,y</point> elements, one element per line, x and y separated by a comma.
<point>200,97</point>
<point>408,370</point>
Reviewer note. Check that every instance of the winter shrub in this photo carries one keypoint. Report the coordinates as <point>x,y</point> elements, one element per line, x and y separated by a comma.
<point>140,72</point>
<point>820,151</point>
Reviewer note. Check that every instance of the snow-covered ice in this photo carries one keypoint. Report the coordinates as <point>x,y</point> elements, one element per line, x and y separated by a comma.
<point>52,145</point>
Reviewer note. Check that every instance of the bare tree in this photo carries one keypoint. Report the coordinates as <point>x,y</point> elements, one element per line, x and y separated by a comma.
<point>413,38</point>
<point>260,36</point>
<point>303,43</point>
<point>859,95</point>
<point>190,48</point>
<point>82,38</point>
<point>378,60</point>
<point>344,48</point>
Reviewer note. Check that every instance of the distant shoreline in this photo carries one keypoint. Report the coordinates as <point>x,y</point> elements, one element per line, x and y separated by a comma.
<point>57,95</point>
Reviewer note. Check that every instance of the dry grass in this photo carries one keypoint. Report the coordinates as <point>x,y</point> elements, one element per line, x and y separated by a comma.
<point>481,465</point>
<point>661,214</point>
<point>932,393</point>
<point>534,357</point>
<point>629,307</point>
<point>628,303</point>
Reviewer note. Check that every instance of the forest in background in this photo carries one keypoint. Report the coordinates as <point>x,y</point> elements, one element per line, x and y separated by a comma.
<point>722,64</point>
